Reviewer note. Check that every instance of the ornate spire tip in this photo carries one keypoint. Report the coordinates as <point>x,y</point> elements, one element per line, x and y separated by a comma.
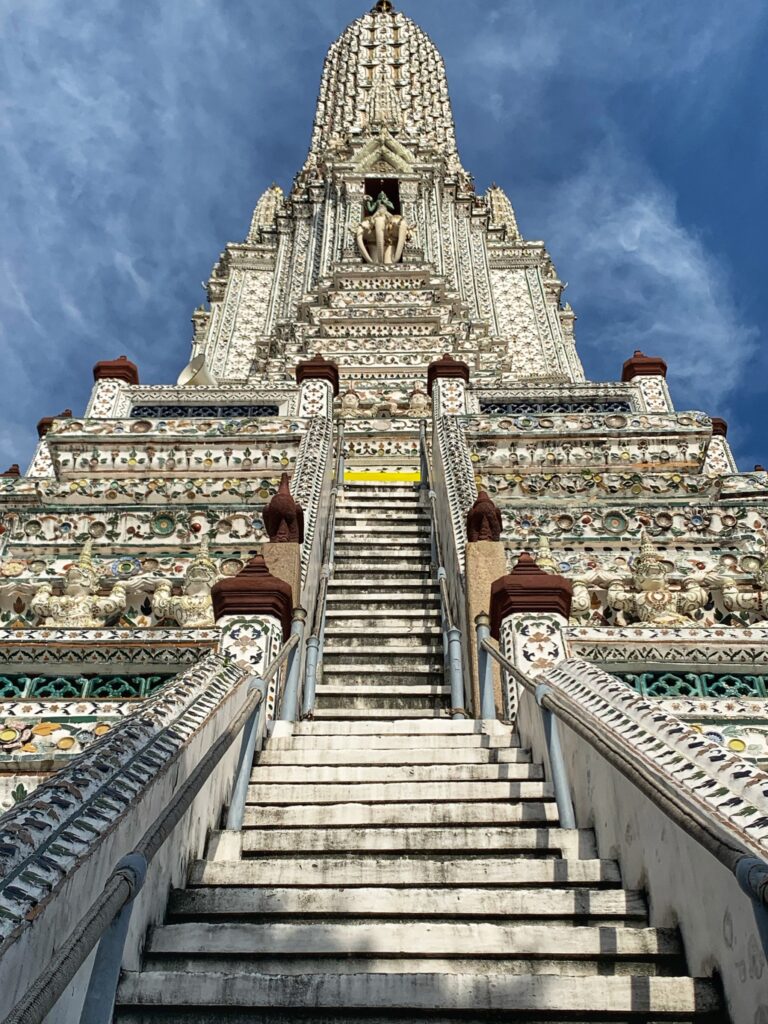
<point>383,7</point>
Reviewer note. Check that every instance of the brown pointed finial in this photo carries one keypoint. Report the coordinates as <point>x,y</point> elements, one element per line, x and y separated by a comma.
<point>45,424</point>
<point>318,368</point>
<point>383,7</point>
<point>283,517</point>
<point>448,367</point>
<point>484,520</point>
<point>12,470</point>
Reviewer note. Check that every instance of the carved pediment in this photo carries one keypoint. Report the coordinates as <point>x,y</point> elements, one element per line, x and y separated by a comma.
<point>384,154</point>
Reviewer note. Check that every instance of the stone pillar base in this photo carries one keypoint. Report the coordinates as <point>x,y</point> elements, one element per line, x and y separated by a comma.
<point>485,562</point>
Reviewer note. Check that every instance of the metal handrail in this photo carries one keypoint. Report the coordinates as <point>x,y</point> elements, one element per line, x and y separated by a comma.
<point>315,641</point>
<point>750,871</point>
<point>452,646</point>
<point>107,919</point>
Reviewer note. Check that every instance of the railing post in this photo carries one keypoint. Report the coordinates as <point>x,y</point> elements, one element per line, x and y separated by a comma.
<point>251,733</point>
<point>455,673</point>
<point>557,765</point>
<point>290,701</point>
<point>485,668</point>
<point>99,1004</point>
<point>424,465</point>
<point>310,676</point>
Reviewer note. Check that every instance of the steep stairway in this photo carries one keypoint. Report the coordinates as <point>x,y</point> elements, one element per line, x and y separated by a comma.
<point>383,651</point>
<point>397,865</point>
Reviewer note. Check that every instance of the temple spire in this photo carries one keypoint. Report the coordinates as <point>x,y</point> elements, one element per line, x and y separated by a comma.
<point>383,7</point>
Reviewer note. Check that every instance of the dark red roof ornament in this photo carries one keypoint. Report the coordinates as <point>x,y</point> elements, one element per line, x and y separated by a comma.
<point>719,427</point>
<point>529,590</point>
<point>117,369</point>
<point>446,367</point>
<point>318,368</point>
<point>45,424</point>
<point>641,365</point>
<point>12,470</point>
<point>484,520</point>
<point>254,591</point>
<point>283,517</point>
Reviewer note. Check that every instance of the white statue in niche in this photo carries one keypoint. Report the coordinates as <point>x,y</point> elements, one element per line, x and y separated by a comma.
<point>78,607</point>
<point>193,608</point>
<point>350,403</point>
<point>385,230</point>
<point>647,596</point>
<point>418,404</point>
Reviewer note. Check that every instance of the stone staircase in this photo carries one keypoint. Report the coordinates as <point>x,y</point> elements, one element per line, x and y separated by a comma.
<point>383,650</point>
<point>397,865</point>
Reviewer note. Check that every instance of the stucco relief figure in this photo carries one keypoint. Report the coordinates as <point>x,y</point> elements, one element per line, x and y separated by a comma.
<point>581,603</point>
<point>192,608</point>
<point>418,403</point>
<point>350,403</point>
<point>647,597</point>
<point>78,607</point>
<point>755,600</point>
<point>381,237</point>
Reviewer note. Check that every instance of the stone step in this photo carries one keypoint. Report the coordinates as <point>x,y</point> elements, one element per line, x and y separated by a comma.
<point>349,815</point>
<point>361,542</point>
<point>469,727</point>
<point>404,939</point>
<point>374,573</point>
<point>366,603</point>
<point>404,587</point>
<point>425,639</point>
<point>432,748</point>
<point>339,713</point>
<point>318,774</point>
<point>405,870</point>
<point>404,698</point>
<point>396,522</point>
<point>356,530</point>
<point>376,756</point>
<point>609,998</point>
<point>376,623</point>
<point>396,672</point>
<point>395,792</point>
<point>384,658</point>
<point>380,902</point>
<point>473,839</point>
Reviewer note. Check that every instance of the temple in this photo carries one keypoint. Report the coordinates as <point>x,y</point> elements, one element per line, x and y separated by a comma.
<point>383,667</point>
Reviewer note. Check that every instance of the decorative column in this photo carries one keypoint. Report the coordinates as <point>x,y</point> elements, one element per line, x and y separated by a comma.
<point>253,610</point>
<point>485,561</point>
<point>447,380</point>
<point>719,460</point>
<point>529,615</point>
<point>112,379</point>
<point>318,379</point>
<point>650,374</point>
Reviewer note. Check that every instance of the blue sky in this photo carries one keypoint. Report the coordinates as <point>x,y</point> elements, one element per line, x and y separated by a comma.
<point>135,139</point>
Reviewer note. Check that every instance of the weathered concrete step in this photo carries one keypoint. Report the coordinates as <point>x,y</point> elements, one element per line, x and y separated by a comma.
<point>397,523</point>
<point>339,713</point>
<point>400,570</point>
<point>384,630</point>
<point>389,554</point>
<point>348,815</point>
<point>405,870</point>
<point>414,939</point>
<point>362,543</point>
<point>337,675</point>
<point>426,749</point>
<point>412,993</point>
<point>375,660</point>
<point>574,843</point>
<point>425,640</point>
<point>394,792</point>
<point>343,601</point>
<point>409,699</point>
<point>409,904</point>
<point>468,727</point>
<point>378,620</point>
<point>404,587</point>
<point>360,536</point>
<point>376,756</point>
<point>317,774</point>
<point>287,965</point>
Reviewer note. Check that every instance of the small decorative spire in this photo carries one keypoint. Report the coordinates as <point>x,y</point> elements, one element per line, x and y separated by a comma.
<point>484,520</point>
<point>283,517</point>
<point>383,7</point>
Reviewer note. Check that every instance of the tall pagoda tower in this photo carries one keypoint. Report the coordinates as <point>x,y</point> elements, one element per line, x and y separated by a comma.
<point>384,445</point>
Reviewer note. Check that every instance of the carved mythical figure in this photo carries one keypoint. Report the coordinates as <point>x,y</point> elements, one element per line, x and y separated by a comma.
<point>78,607</point>
<point>647,596</point>
<point>736,600</point>
<point>386,230</point>
<point>193,608</point>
